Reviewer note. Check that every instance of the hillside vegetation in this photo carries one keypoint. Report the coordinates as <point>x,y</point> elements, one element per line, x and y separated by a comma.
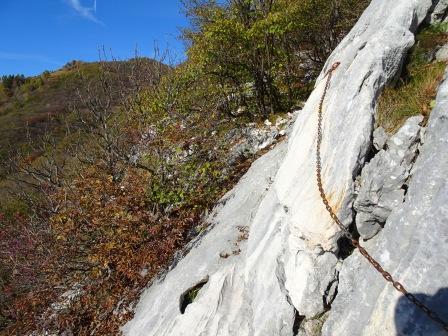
<point>125,158</point>
<point>42,103</point>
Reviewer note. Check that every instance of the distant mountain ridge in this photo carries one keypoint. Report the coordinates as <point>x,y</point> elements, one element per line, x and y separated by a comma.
<point>42,103</point>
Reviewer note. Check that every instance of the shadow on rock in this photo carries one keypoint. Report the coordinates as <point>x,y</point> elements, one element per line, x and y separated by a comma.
<point>410,320</point>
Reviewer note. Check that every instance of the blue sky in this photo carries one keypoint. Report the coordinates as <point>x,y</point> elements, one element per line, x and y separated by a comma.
<point>38,35</point>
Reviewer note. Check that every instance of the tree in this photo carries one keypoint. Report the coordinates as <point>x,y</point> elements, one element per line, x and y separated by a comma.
<point>110,129</point>
<point>256,49</point>
<point>12,82</point>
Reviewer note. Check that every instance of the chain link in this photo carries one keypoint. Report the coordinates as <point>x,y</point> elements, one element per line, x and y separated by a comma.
<point>355,242</point>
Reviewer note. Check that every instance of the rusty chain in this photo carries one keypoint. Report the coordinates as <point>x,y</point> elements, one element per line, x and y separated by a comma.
<point>355,242</point>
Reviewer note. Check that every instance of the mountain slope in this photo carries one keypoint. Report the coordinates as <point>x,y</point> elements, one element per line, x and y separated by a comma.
<point>284,279</point>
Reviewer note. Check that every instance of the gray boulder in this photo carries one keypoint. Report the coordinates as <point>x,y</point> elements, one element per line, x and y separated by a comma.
<point>442,53</point>
<point>383,179</point>
<point>379,138</point>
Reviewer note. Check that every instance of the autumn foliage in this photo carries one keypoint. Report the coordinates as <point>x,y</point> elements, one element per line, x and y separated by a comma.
<point>107,234</point>
<point>105,242</point>
<point>25,259</point>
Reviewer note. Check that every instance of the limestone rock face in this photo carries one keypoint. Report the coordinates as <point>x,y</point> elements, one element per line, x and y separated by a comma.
<point>412,246</point>
<point>440,12</point>
<point>383,179</point>
<point>271,251</point>
<point>218,256</point>
<point>370,55</point>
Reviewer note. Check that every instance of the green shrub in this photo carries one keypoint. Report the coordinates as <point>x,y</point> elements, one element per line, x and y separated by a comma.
<point>32,83</point>
<point>265,44</point>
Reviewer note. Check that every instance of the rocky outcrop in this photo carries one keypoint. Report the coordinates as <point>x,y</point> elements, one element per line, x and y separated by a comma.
<point>382,184</point>
<point>215,261</point>
<point>412,246</point>
<point>440,12</point>
<point>271,258</point>
<point>249,140</point>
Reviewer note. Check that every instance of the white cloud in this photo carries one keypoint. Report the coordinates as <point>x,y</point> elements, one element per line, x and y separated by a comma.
<point>86,12</point>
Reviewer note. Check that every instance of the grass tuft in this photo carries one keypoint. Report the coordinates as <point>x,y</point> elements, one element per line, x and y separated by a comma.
<point>416,90</point>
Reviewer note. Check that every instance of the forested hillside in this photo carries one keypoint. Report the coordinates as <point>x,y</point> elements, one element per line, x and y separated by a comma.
<point>108,168</point>
<point>44,103</point>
